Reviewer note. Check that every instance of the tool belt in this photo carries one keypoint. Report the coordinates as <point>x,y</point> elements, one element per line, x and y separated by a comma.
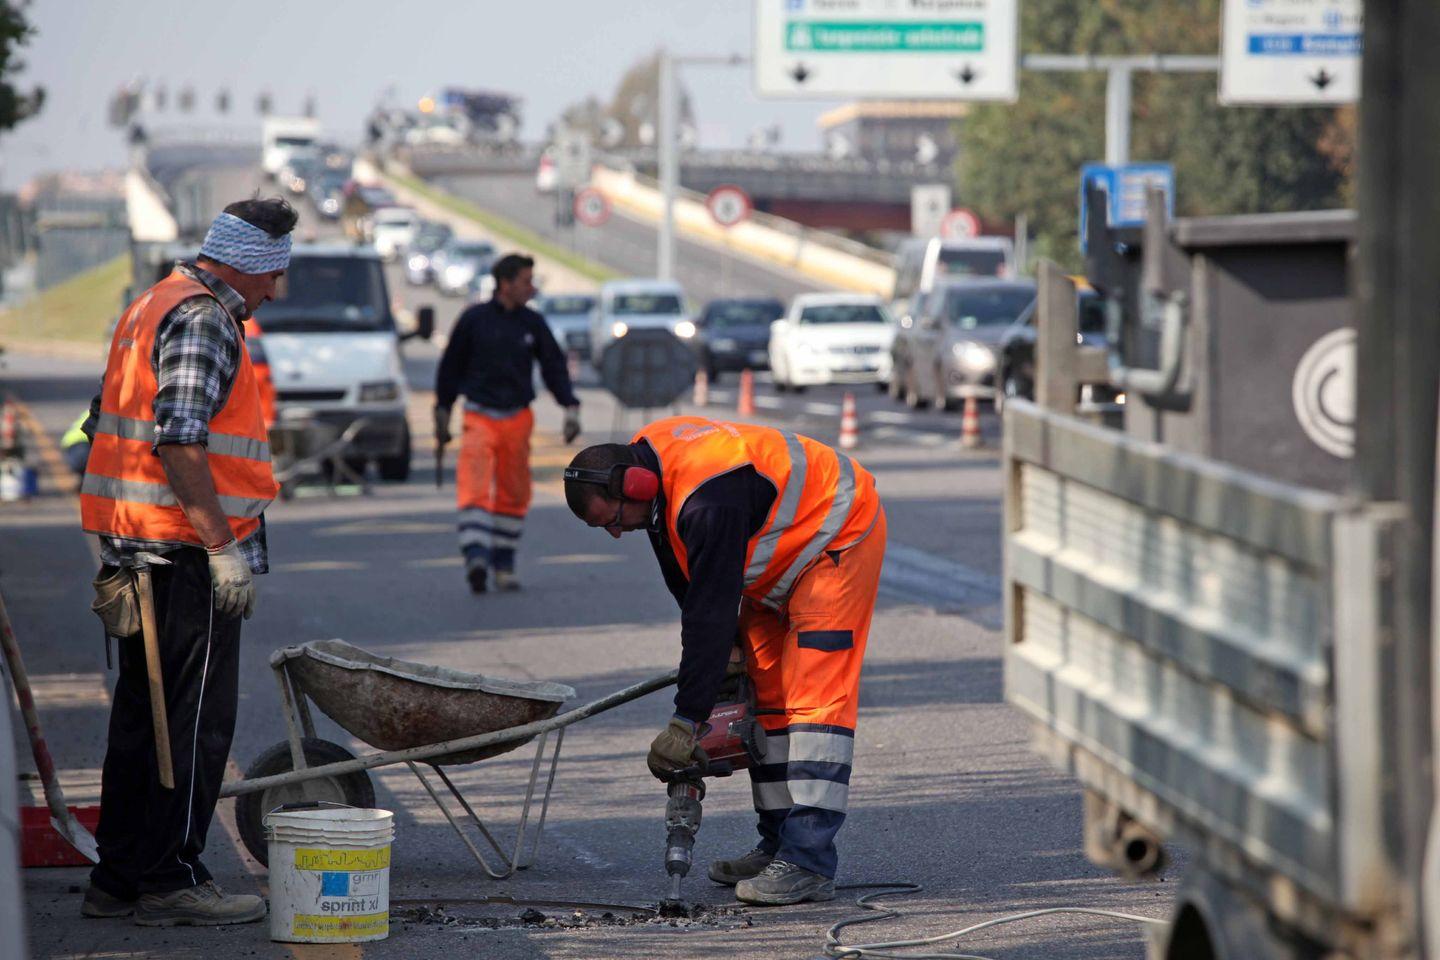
<point>117,603</point>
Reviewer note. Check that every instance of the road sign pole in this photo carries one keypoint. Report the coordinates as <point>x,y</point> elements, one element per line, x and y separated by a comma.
<point>1117,115</point>
<point>668,141</point>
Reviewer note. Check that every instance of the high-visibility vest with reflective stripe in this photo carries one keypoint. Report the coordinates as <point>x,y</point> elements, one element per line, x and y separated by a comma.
<point>125,492</point>
<point>824,499</point>
<point>261,363</point>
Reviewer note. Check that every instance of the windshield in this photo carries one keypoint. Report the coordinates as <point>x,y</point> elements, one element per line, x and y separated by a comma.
<point>843,313</point>
<point>968,309</point>
<point>721,316</point>
<point>971,263</point>
<point>640,304</point>
<point>294,142</point>
<point>565,305</point>
<point>472,250</point>
<point>1092,312</point>
<point>429,239</point>
<point>328,293</point>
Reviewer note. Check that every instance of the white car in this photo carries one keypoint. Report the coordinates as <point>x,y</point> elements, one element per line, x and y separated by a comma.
<point>627,305</point>
<point>831,338</point>
<point>392,230</point>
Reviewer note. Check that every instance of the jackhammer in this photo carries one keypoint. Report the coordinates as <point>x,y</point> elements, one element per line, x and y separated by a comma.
<point>732,739</point>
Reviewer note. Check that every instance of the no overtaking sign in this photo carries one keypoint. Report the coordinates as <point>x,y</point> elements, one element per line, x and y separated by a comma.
<point>728,205</point>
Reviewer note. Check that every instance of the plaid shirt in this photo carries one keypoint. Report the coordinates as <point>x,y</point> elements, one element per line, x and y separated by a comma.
<point>197,353</point>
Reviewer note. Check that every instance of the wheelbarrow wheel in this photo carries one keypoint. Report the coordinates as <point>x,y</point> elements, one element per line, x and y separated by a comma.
<point>351,789</point>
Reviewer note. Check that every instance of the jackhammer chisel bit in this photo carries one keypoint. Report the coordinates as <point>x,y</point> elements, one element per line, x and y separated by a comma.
<point>682,822</point>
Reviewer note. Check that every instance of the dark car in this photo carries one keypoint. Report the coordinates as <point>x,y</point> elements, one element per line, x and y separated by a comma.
<point>1017,356</point>
<point>735,334</point>
<point>327,192</point>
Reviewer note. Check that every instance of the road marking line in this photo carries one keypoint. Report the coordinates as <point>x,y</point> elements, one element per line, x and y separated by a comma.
<point>889,416</point>
<point>823,409</point>
<point>769,403</point>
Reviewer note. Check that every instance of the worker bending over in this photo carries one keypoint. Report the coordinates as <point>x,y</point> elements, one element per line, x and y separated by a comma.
<point>779,538</point>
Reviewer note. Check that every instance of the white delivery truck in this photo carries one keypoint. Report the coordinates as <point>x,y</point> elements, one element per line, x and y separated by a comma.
<point>282,136</point>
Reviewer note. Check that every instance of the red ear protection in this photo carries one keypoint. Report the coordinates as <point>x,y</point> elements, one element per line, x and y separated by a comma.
<point>638,483</point>
<point>621,481</point>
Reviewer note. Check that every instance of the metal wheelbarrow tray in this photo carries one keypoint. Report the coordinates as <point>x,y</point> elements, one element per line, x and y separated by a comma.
<point>415,713</point>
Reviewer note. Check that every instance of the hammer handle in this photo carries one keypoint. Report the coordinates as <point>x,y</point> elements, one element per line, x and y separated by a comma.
<point>157,684</point>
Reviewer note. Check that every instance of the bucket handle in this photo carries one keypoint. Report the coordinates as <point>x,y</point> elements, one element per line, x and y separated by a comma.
<point>309,805</point>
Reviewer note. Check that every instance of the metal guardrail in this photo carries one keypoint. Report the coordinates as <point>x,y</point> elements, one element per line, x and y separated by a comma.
<point>1197,645</point>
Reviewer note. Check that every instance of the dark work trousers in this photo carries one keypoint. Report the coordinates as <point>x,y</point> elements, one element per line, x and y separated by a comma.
<point>151,838</point>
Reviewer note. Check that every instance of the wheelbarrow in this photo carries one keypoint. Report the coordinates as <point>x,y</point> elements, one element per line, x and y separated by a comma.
<point>416,714</point>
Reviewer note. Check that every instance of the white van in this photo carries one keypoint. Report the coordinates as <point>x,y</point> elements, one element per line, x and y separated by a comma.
<point>334,351</point>
<point>281,137</point>
<point>392,230</point>
<point>919,263</point>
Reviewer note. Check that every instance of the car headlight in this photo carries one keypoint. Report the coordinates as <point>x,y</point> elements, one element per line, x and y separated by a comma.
<point>379,392</point>
<point>619,328</point>
<point>684,329</point>
<point>419,262</point>
<point>331,205</point>
<point>974,355</point>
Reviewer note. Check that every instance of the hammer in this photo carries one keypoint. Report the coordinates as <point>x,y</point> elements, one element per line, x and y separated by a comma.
<point>140,565</point>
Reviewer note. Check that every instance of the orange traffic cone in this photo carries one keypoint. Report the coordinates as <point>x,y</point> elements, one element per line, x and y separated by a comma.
<point>746,405</point>
<point>849,424</point>
<point>970,425</point>
<point>702,388</point>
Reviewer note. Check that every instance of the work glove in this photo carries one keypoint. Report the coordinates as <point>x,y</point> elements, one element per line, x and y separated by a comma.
<point>676,748</point>
<point>572,424</point>
<point>442,425</point>
<point>231,581</point>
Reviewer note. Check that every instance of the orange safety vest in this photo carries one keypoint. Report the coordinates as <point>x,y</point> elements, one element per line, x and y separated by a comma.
<point>824,499</point>
<point>261,363</point>
<point>125,492</point>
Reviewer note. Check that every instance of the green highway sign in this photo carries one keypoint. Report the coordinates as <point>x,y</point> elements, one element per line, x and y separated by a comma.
<point>878,48</point>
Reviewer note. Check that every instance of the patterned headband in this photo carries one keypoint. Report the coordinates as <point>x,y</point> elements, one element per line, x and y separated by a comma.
<point>244,246</point>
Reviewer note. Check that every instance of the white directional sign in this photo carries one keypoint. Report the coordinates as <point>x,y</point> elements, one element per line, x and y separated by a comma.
<point>728,205</point>
<point>929,202</point>
<point>881,48</point>
<point>1290,51</point>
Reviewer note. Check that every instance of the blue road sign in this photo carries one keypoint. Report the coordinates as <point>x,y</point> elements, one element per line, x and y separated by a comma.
<point>1126,187</point>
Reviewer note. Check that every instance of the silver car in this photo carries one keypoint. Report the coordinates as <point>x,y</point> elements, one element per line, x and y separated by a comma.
<point>955,341</point>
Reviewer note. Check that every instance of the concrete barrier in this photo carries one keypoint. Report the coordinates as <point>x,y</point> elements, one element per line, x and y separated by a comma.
<point>793,250</point>
<point>147,210</point>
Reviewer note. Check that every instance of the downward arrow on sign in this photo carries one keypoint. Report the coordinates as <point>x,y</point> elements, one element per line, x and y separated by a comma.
<point>799,73</point>
<point>967,74</point>
<point>1322,79</point>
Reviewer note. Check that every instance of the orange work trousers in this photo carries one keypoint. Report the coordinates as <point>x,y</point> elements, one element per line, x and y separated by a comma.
<point>493,487</point>
<point>804,661</point>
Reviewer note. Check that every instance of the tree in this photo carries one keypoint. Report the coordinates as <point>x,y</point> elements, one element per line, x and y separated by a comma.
<point>1026,157</point>
<point>15,32</point>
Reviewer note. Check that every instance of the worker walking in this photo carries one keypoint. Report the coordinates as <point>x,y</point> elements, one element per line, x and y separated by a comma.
<point>176,485</point>
<point>779,538</point>
<point>490,358</point>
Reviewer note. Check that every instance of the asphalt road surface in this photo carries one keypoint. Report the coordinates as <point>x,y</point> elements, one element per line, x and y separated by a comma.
<point>946,791</point>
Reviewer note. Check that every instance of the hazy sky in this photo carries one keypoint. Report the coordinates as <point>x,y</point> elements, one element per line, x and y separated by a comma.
<point>348,52</point>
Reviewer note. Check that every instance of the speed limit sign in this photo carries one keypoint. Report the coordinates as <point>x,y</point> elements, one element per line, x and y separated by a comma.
<point>728,204</point>
<point>591,207</point>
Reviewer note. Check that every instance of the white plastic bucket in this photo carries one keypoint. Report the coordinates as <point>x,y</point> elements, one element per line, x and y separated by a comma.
<point>329,874</point>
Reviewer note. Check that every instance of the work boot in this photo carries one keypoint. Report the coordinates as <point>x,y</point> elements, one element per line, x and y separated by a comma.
<point>476,576</point>
<point>731,872</point>
<point>202,906</point>
<point>99,905</point>
<point>506,581</point>
<point>782,883</point>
